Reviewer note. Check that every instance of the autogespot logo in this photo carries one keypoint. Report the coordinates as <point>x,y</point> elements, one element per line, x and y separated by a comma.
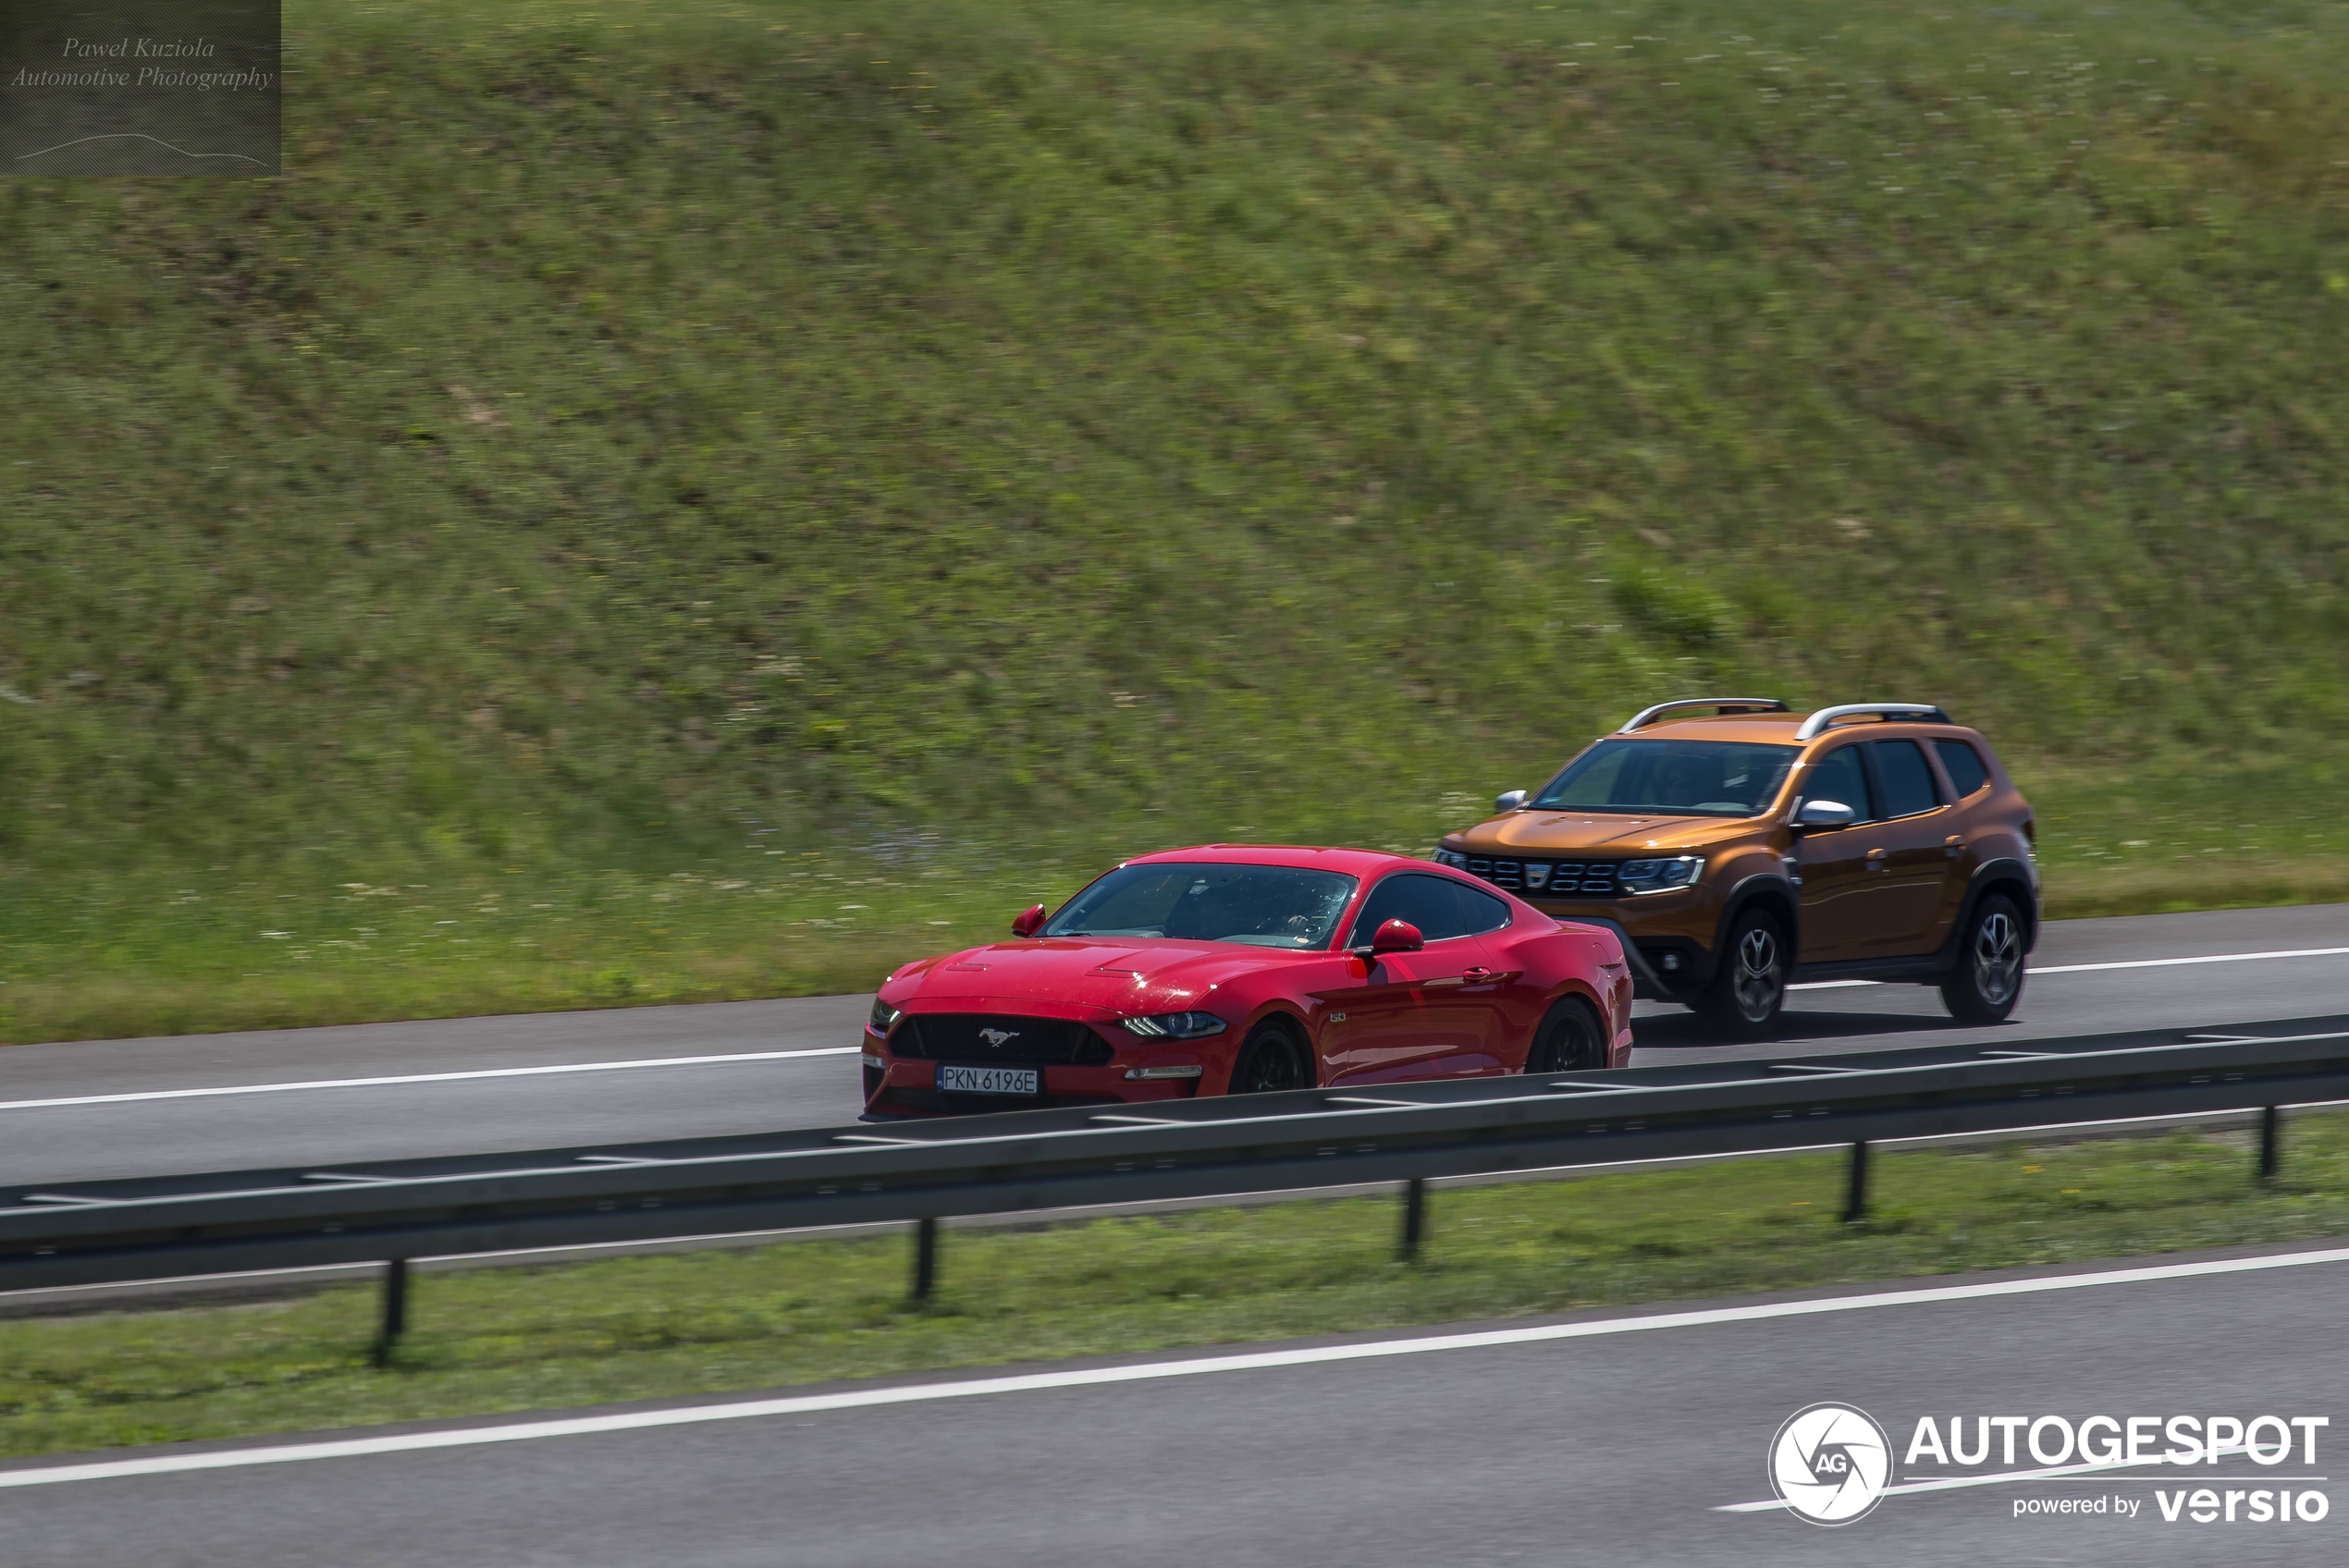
<point>1830,1464</point>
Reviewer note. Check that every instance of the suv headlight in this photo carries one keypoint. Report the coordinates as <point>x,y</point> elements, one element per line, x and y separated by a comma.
<point>1175,1025</point>
<point>1660,875</point>
<point>1447,857</point>
<point>883,1016</point>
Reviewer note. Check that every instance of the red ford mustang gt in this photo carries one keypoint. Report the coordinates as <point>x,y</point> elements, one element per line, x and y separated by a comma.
<point>1238,969</point>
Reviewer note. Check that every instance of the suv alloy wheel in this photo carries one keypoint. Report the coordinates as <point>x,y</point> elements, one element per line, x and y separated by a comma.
<point>1749,987</point>
<point>1988,981</point>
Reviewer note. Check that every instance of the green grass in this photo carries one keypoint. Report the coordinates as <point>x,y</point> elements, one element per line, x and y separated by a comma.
<point>951,437</point>
<point>513,1340</point>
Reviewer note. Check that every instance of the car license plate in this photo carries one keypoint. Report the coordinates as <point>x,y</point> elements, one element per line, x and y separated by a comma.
<point>989,1080</point>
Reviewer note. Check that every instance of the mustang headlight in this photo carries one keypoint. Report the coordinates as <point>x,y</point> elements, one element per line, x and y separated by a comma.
<point>883,1016</point>
<point>1175,1025</point>
<point>1659,876</point>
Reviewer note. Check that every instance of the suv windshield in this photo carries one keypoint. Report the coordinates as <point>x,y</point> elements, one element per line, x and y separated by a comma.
<point>1674,777</point>
<point>1261,906</point>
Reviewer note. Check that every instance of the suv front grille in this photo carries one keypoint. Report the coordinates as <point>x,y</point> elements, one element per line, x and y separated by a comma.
<point>1550,878</point>
<point>962,1037</point>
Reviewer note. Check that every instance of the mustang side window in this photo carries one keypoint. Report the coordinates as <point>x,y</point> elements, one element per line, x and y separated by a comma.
<point>1432,904</point>
<point>1484,911</point>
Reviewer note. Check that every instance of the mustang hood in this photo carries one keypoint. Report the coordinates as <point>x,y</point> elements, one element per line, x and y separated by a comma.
<point>1139,976</point>
<point>1556,832</point>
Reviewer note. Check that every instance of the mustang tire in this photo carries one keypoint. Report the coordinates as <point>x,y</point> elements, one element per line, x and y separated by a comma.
<point>1570,1040</point>
<point>1270,1061</point>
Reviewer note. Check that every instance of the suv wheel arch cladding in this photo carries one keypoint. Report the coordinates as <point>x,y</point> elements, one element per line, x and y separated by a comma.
<point>2006,875</point>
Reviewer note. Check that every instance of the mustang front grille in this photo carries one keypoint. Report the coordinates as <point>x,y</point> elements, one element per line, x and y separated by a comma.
<point>1550,878</point>
<point>987,1038</point>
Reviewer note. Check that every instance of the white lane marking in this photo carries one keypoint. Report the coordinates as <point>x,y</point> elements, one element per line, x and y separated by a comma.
<point>740,1056</point>
<point>1143,1372</point>
<point>2124,964</point>
<point>2206,958</point>
<point>472,1076</point>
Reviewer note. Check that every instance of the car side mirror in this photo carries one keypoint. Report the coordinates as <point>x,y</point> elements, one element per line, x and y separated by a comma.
<point>1816,814</point>
<point>1030,921</point>
<point>1393,936</point>
<point>1509,802</point>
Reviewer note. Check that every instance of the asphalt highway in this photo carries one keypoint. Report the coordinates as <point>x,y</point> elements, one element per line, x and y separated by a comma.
<point>90,1109</point>
<point>1623,1445</point>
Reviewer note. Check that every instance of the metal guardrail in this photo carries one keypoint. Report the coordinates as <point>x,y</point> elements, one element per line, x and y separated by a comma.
<point>154,1228</point>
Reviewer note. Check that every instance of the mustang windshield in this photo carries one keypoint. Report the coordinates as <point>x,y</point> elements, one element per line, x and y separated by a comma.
<point>1671,778</point>
<point>1260,906</point>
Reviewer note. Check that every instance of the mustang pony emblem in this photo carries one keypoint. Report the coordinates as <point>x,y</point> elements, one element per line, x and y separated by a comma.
<point>997,1037</point>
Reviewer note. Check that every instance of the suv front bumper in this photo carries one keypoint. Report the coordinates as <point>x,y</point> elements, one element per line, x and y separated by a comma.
<point>1646,983</point>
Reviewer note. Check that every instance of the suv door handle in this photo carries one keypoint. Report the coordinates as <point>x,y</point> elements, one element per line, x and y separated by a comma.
<point>1875,859</point>
<point>1954,846</point>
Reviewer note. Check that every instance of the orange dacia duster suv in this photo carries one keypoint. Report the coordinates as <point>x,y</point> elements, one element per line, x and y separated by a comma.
<point>1735,847</point>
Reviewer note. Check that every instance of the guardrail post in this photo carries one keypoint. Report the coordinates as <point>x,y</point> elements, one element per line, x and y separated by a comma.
<point>2269,1154</point>
<point>395,1321</point>
<point>1414,1216</point>
<point>925,1256</point>
<point>1855,1199</point>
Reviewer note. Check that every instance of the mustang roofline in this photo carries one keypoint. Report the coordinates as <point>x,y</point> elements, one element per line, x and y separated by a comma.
<point>1301,856</point>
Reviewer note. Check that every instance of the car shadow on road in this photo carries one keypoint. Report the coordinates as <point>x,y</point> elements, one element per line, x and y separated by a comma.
<point>1685,1031</point>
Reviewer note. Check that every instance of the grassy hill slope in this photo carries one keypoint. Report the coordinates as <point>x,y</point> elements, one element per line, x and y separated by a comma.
<point>950,440</point>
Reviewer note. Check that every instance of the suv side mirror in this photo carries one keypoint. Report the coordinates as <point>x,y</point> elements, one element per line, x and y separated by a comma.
<point>1393,936</point>
<point>1509,801</point>
<point>1030,921</point>
<point>1824,814</point>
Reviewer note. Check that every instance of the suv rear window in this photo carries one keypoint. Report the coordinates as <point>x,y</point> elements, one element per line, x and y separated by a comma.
<point>1909,788</point>
<point>1963,764</point>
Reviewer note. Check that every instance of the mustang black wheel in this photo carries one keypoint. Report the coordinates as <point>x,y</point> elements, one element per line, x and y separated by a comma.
<point>1747,987</point>
<point>1989,979</point>
<point>1568,1041</point>
<point>1270,1062</point>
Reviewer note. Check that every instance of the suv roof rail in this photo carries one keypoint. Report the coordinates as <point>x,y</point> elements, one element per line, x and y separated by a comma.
<point>1646,716</point>
<point>1887,712</point>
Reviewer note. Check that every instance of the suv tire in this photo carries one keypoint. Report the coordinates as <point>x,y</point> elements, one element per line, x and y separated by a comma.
<point>1748,988</point>
<point>1988,981</point>
<point>1568,1041</point>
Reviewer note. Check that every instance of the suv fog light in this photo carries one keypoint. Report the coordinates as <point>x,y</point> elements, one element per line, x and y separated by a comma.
<point>1135,1072</point>
<point>1671,960</point>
